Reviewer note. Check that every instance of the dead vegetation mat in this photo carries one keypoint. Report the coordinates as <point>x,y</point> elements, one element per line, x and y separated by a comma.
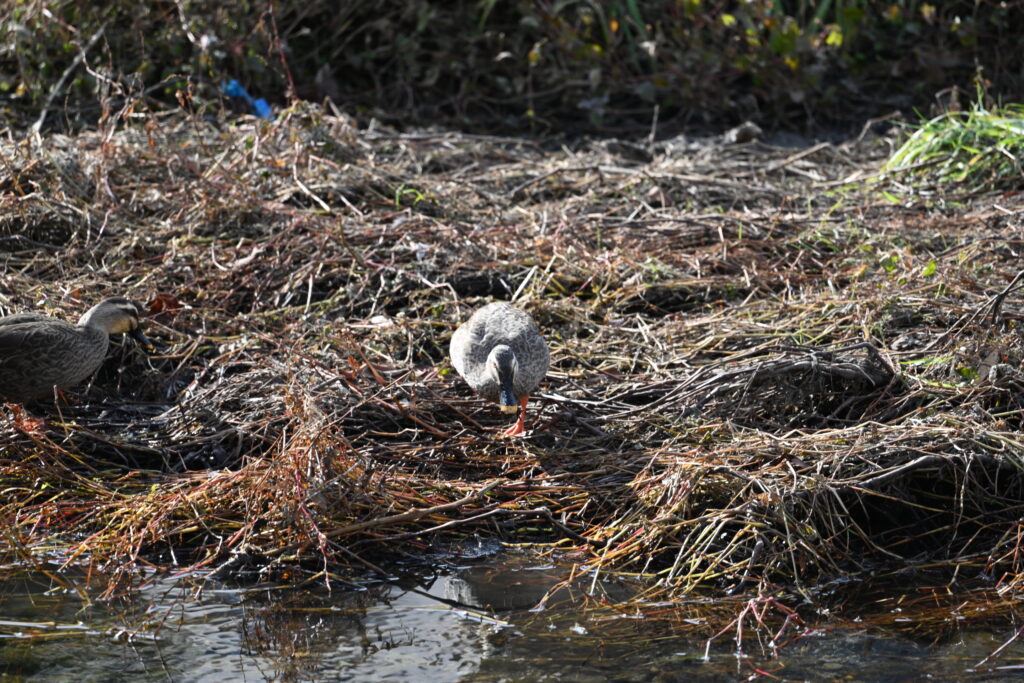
<point>765,373</point>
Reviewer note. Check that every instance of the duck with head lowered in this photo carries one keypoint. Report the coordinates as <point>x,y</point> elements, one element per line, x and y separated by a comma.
<point>501,354</point>
<point>39,353</point>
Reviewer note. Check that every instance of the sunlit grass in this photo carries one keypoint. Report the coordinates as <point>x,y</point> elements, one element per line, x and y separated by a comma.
<point>978,150</point>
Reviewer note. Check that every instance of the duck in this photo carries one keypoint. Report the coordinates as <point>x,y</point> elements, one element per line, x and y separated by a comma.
<point>501,354</point>
<point>39,353</point>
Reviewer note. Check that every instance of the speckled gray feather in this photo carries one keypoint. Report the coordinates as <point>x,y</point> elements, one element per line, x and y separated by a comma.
<point>38,353</point>
<point>492,325</point>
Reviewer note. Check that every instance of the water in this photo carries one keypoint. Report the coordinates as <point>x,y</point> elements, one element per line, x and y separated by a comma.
<point>440,628</point>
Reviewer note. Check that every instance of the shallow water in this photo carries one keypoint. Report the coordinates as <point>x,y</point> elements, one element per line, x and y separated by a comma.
<point>441,629</point>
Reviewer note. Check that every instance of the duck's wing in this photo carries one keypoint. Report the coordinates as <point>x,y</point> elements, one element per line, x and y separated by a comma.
<point>20,318</point>
<point>458,349</point>
<point>534,357</point>
<point>471,343</point>
<point>34,358</point>
<point>29,336</point>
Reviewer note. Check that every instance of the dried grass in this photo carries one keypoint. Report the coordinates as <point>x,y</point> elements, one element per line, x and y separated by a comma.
<point>756,378</point>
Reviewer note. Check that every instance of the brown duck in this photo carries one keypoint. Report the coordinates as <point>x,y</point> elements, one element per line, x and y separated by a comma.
<point>501,354</point>
<point>38,353</point>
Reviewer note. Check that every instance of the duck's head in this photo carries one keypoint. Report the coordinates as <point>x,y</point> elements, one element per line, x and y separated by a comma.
<point>502,366</point>
<point>116,315</point>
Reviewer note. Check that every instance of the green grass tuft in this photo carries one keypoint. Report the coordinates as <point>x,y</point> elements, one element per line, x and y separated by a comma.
<point>977,150</point>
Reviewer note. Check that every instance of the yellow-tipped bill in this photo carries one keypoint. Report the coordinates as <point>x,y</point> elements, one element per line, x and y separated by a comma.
<point>138,335</point>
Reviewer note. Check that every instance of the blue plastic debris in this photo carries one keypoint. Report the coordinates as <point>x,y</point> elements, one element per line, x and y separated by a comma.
<point>260,107</point>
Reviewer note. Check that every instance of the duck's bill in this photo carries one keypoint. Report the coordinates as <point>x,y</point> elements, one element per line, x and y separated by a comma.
<point>139,336</point>
<point>507,399</point>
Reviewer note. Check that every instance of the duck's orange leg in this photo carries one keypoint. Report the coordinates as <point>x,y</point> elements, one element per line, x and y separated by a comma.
<point>520,426</point>
<point>23,421</point>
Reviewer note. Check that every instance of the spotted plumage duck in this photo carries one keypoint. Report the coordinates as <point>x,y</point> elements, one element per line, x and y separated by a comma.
<point>501,354</point>
<point>38,353</point>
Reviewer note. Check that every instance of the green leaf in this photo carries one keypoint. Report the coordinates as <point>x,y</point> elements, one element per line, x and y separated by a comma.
<point>889,262</point>
<point>967,372</point>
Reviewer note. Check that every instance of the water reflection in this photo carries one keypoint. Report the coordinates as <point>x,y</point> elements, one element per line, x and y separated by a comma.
<point>469,623</point>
